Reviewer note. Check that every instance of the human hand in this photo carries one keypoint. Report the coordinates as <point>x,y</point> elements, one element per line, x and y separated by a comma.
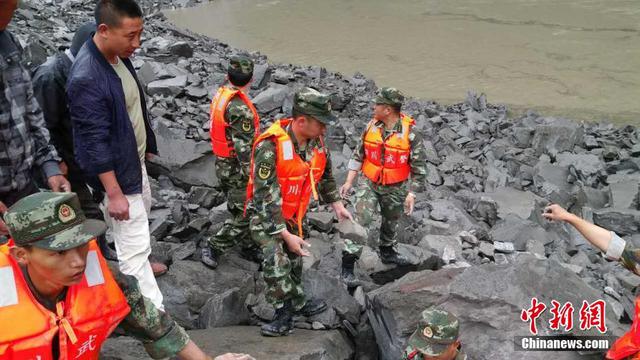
<point>230,356</point>
<point>341,212</point>
<point>59,183</point>
<point>345,190</point>
<point>118,207</point>
<point>295,244</point>
<point>409,203</point>
<point>556,212</point>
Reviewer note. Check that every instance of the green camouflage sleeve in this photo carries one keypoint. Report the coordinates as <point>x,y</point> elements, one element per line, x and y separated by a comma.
<point>355,163</point>
<point>161,336</point>
<point>418,162</point>
<point>327,188</point>
<point>267,201</point>
<point>630,258</point>
<point>241,129</point>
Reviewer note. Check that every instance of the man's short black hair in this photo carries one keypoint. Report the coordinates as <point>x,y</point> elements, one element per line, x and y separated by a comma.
<point>238,78</point>
<point>110,12</point>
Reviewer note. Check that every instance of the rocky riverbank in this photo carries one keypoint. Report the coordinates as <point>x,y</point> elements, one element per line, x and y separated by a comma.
<point>478,244</point>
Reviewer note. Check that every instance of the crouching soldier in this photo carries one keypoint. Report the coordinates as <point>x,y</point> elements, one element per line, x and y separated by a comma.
<point>60,300</point>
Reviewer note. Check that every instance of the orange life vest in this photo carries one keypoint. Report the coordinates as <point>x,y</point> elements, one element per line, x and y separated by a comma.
<point>91,311</point>
<point>297,178</point>
<point>222,147</point>
<point>6,246</point>
<point>628,345</point>
<point>387,162</point>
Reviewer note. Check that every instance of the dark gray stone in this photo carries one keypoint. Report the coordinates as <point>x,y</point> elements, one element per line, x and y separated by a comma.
<point>622,221</point>
<point>352,231</point>
<point>225,309</point>
<point>323,220</point>
<point>556,135</point>
<point>168,87</point>
<point>271,98</point>
<point>487,300</point>
<point>181,48</point>
<point>205,197</point>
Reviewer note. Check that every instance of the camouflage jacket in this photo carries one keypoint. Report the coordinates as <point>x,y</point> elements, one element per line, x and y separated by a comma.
<point>240,133</point>
<point>625,252</point>
<point>161,336</point>
<point>266,200</point>
<point>417,157</point>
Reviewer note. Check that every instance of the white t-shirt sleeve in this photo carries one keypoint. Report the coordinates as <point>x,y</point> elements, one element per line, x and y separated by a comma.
<point>616,247</point>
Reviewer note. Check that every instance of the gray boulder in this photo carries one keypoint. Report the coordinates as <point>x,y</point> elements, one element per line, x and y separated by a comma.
<point>185,161</point>
<point>189,285</point>
<point>555,135</point>
<point>487,299</point>
<point>622,221</point>
<point>524,234</point>
<point>271,98</point>
<point>168,87</point>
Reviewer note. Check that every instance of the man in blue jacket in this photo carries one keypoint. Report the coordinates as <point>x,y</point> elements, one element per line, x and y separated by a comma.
<point>49,86</point>
<point>112,135</point>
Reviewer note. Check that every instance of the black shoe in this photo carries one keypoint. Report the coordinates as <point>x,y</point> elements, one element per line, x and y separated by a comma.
<point>312,307</point>
<point>348,277</point>
<point>252,254</point>
<point>282,323</point>
<point>389,255</point>
<point>209,258</point>
<point>107,252</point>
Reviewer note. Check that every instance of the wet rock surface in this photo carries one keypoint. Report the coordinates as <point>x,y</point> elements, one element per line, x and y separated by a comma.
<point>476,240</point>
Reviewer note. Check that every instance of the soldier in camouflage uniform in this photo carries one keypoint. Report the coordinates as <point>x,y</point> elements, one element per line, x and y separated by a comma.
<point>61,249</point>
<point>288,140</point>
<point>436,337</point>
<point>614,248</point>
<point>232,169</point>
<point>391,193</point>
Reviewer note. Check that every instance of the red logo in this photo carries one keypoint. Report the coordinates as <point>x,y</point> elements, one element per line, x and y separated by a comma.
<point>591,315</point>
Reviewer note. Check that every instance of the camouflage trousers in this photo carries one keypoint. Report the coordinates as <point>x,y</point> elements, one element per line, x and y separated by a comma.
<point>282,269</point>
<point>235,229</point>
<point>370,197</point>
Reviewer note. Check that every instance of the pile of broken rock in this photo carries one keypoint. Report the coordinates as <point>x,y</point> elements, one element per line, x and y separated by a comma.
<point>478,244</point>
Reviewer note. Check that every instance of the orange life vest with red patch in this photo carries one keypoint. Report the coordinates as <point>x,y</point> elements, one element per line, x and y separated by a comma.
<point>91,311</point>
<point>6,246</point>
<point>222,147</point>
<point>297,178</point>
<point>387,162</point>
<point>628,345</point>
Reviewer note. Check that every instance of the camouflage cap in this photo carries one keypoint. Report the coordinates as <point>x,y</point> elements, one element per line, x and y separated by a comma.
<point>389,96</point>
<point>240,64</point>
<point>52,221</point>
<point>313,103</point>
<point>437,329</point>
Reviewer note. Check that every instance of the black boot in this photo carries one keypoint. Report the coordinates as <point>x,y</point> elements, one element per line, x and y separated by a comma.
<point>389,255</point>
<point>209,258</point>
<point>282,323</point>
<point>312,307</point>
<point>348,276</point>
<point>107,252</point>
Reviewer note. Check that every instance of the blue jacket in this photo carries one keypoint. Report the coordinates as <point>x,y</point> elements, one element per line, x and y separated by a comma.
<point>103,136</point>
